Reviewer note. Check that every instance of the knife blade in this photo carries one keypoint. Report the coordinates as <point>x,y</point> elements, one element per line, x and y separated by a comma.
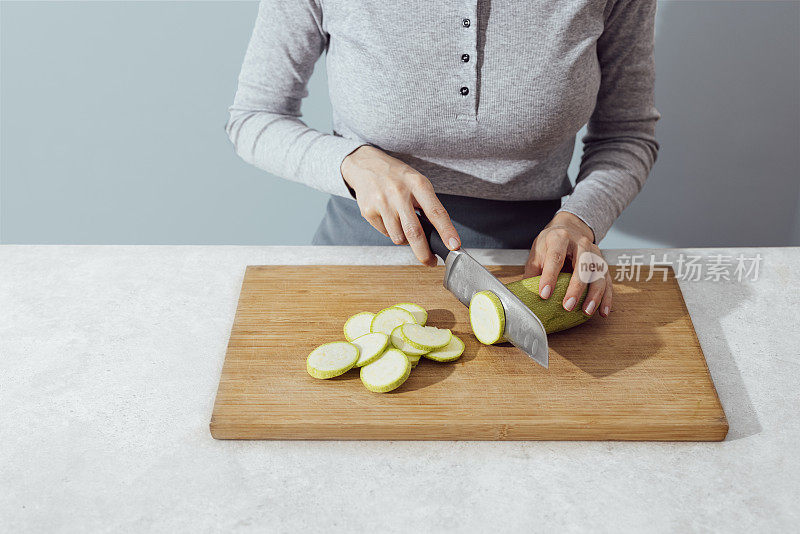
<point>464,276</point>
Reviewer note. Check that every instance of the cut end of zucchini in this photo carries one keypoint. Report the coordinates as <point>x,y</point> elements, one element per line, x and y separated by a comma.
<point>425,338</point>
<point>387,372</point>
<point>331,359</point>
<point>399,343</point>
<point>487,317</point>
<point>451,352</point>
<point>370,347</point>
<point>385,321</point>
<point>420,314</point>
<point>358,325</point>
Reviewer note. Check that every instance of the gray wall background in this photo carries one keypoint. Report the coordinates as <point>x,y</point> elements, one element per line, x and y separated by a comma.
<point>112,114</point>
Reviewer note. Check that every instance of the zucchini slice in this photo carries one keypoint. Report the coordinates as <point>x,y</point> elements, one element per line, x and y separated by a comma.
<point>425,338</point>
<point>420,314</point>
<point>388,319</point>
<point>331,359</point>
<point>414,360</point>
<point>370,347</point>
<point>399,343</point>
<point>387,372</point>
<point>450,352</point>
<point>357,325</point>
<point>487,317</point>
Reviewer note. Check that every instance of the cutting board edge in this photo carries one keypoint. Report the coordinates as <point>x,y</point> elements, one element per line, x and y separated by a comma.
<point>710,430</point>
<point>721,408</point>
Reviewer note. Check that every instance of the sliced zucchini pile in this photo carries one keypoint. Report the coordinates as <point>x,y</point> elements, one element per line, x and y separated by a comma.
<point>385,346</point>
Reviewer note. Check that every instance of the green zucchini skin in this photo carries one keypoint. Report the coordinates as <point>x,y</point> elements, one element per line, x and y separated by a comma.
<point>551,311</point>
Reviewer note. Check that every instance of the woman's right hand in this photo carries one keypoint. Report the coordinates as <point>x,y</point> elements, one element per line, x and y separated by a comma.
<point>388,191</point>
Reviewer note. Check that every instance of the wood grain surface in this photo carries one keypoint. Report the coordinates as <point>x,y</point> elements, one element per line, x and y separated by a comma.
<point>638,375</point>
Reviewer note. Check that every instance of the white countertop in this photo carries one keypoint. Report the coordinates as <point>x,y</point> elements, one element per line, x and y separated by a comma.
<point>109,361</point>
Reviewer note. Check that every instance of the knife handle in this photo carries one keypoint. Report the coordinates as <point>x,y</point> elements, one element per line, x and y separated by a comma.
<point>434,239</point>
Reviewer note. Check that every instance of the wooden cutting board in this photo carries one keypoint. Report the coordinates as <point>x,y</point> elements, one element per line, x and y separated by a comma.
<point>639,375</point>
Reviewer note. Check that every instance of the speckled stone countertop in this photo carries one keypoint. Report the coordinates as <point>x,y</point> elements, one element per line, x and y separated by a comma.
<point>109,361</point>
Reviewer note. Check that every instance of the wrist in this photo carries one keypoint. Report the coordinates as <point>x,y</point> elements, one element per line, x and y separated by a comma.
<point>572,221</point>
<point>350,164</point>
<point>346,167</point>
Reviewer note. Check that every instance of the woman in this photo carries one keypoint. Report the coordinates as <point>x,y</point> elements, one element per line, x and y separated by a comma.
<point>466,112</point>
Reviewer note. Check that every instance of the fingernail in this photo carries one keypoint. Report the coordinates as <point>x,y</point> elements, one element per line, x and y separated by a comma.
<point>590,308</point>
<point>453,243</point>
<point>545,293</point>
<point>606,310</point>
<point>569,304</point>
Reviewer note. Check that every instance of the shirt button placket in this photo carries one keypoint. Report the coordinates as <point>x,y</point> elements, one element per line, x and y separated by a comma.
<point>466,92</point>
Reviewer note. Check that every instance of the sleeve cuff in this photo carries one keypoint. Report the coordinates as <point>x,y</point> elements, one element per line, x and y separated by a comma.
<point>592,226</point>
<point>334,151</point>
<point>599,199</point>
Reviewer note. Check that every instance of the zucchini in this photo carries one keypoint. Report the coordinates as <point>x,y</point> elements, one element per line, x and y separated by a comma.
<point>450,352</point>
<point>551,311</point>
<point>357,325</point>
<point>370,347</point>
<point>331,359</point>
<point>413,359</point>
<point>420,314</point>
<point>425,338</point>
<point>387,372</point>
<point>399,343</point>
<point>388,319</point>
<point>487,317</point>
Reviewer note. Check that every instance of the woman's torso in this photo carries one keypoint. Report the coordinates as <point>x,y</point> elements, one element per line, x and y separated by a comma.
<point>395,74</point>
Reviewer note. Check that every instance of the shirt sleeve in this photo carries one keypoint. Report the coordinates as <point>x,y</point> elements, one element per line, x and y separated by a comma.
<point>264,124</point>
<point>620,146</point>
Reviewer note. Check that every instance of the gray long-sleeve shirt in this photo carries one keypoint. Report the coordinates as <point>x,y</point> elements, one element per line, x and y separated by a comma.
<point>484,98</point>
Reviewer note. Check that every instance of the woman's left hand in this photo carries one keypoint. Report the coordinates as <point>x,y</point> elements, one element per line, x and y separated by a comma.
<point>566,236</point>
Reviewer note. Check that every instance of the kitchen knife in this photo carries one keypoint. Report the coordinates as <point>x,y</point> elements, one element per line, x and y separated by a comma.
<point>464,276</point>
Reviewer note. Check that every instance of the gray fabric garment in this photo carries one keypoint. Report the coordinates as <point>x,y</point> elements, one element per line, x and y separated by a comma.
<point>500,125</point>
<point>480,223</point>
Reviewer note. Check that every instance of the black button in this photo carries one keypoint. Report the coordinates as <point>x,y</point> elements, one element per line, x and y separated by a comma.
<point>464,91</point>
<point>464,57</point>
<point>465,23</point>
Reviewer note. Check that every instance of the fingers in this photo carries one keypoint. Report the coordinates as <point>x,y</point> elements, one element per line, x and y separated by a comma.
<point>577,286</point>
<point>598,297</point>
<point>383,220</point>
<point>415,236</point>
<point>386,190</point>
<point>547,257</point>
<point>533,267</point>
<point>374,218</point>
<point>594,296</point>
<point>556,244</point>
<point>605,303</point>
<point>394,228</point>
<point>436,213</point>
